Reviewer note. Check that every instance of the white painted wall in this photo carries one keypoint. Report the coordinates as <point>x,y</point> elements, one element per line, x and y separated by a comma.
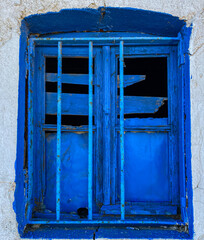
<point>11,14</point>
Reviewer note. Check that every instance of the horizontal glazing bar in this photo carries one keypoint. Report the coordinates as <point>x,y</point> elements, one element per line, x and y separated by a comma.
<point>148,128</point>
<point>49,127</point>
<point>126,222</point>
<point>109,39</point>
<point>146,44</point>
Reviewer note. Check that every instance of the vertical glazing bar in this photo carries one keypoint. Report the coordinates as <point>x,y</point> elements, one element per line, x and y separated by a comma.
<point>59,99</point>
<point>106,125</point>
<point>30,127</point>
<point>90,145</point>
<point>122,183</point>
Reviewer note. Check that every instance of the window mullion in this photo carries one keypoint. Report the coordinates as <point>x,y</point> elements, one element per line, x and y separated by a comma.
<point>90,136</point>
<point>59,100</point>
<point>106,125</point>
<point>122,177</point>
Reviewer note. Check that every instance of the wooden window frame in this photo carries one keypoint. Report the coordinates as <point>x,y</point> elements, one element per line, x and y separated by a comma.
<point>168,47</point>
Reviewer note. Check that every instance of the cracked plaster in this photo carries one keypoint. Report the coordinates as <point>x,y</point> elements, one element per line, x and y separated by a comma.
<point>11,14</point>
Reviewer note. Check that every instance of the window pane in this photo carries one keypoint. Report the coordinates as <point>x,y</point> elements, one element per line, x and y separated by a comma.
<point>145,87</point>
<point>69,65</point>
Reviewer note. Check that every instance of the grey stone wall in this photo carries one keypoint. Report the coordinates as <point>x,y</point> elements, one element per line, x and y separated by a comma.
<point>11,14</point>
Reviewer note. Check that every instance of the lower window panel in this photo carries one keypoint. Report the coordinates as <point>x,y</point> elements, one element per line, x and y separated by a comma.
<point>74,171</point>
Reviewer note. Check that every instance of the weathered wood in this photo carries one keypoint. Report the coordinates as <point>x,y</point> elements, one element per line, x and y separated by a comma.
<point>90,135</point>
<point>83,79</point>
<point>145,122</point>
<point>106,124</point>
<point>138,104</point>
<point>141,209</point>
<point>113,119</point>
<point>122,155</point>
<point>77,104</point>
<point>131,79</point>
<point>98,180</point>
<point>73,104</point>
<point>59,108</point>
<point>74,171</point>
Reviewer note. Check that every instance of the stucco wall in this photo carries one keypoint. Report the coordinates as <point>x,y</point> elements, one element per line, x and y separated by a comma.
<point>11,14</point>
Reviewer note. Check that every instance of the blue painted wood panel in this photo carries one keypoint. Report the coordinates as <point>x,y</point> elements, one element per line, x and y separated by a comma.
<point>77,104</point>
<point>146,122</point>
<point>141,208</point>
<point>146,167</point>
<point>106,123</point>
<point>137,104</point>
<point>83,79</point>
<point>74,171</point>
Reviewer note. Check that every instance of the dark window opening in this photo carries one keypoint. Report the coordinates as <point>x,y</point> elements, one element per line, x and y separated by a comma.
<point>155,83</point>
<point>72,120</point>
<point>72,65</point>
<point>67,88</point>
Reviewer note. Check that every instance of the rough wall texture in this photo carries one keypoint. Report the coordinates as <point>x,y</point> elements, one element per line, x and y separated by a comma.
<point>11,14</point>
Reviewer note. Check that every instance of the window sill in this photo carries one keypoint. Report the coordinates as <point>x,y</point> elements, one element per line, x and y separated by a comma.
<point>67,232</point>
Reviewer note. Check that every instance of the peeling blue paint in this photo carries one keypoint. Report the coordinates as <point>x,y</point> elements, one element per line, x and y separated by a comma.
<point>19,203</point>
<point>106,233</point>
<point>186,33</point>
<point>91,20</point>
<point>106,19</point>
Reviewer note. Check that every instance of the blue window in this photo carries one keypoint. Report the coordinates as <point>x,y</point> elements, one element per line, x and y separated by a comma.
<point>104,126</point>
<point>103,132</point>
